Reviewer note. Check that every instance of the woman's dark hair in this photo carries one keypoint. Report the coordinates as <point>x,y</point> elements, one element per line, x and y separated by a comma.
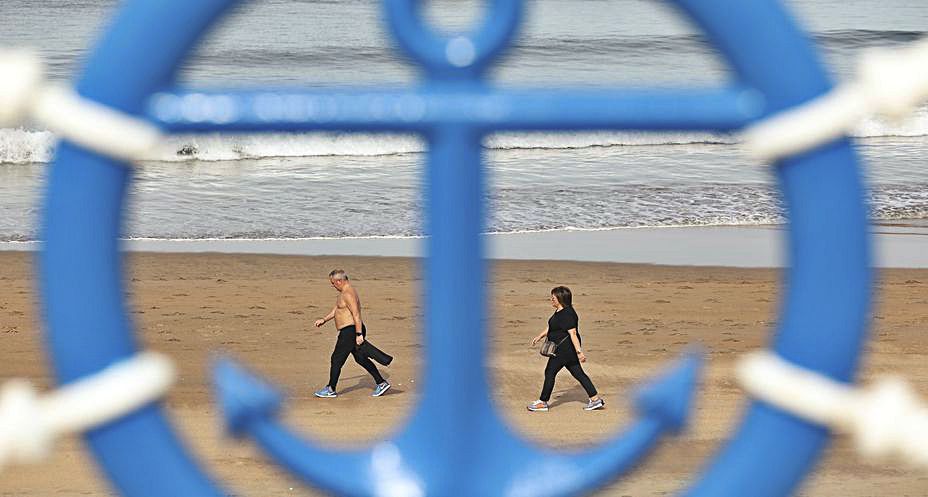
<point>563,296</point>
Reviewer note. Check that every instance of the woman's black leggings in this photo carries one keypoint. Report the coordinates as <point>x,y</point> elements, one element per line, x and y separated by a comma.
<point>573,365</point>
<point>345,346</point>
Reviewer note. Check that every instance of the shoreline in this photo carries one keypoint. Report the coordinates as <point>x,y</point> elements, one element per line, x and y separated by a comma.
<point>896,244</point>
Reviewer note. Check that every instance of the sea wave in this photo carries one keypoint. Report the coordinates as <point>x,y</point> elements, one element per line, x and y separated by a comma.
<point>21,146</point>
<point>551,47</point>
<point>514,210</point>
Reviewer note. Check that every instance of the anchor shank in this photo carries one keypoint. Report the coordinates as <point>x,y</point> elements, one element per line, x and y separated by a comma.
<point>456,307</point>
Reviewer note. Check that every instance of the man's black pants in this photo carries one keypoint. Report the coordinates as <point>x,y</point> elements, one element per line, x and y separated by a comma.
<point>346,345</point>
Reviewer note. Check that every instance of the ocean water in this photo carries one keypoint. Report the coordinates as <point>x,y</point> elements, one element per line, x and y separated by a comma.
<point>291,186</point>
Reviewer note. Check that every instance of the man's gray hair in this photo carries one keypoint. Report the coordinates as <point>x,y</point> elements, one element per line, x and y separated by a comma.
<point>338,274</point>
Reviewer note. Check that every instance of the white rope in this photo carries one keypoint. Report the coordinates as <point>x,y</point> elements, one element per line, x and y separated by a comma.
<point>885,419</point>
<point>29,424</point>
<point>26,97</point>
<point>890,82</point>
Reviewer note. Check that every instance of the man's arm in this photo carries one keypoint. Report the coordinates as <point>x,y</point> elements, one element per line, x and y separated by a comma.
<point>351,300</point>
<point>328,317</point>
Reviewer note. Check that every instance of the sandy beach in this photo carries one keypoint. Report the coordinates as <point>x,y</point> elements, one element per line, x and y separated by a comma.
<point>634,320</point>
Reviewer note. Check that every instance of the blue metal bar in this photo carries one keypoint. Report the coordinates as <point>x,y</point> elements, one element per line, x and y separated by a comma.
<point>825,305</point>
<point>441,441</point>
<point>455,301</point>
<point>89,327</point>
<point>485,109</point>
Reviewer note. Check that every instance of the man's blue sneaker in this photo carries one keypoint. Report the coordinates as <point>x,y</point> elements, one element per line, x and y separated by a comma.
<point>380,389</point>
<point>326,393</point>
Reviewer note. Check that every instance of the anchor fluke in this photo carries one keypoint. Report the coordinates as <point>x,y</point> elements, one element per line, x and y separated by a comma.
<point>243,396</point>
<point>251,405</point>
<point>669,397</point>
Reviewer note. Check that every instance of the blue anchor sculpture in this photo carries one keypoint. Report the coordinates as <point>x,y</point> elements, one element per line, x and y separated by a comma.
<point>441,452</point>
<point>826,301</point>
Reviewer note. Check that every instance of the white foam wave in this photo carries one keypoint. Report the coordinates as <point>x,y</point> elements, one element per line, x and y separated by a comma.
<point>19,146</point>
<point>915,124</point>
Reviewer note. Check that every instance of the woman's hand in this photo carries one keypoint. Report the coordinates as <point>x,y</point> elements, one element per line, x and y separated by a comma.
<point>535,340</point>
<point>581,356</point>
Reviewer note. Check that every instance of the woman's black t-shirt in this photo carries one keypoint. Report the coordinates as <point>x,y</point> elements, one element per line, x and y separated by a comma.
<point>560,322</point>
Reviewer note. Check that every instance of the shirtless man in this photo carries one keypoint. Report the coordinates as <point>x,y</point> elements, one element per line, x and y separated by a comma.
<point>347,315</point>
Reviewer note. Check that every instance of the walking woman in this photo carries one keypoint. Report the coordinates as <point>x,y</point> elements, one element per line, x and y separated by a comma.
<point>562,330</point>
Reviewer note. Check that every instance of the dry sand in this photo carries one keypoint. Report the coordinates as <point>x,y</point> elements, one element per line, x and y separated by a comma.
<point>634,319</point>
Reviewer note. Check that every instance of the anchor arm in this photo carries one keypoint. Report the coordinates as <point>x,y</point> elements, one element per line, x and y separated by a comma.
<point>663,406</point>
<point>250,407</point>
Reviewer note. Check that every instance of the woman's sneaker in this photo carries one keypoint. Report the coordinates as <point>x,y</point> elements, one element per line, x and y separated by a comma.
<point>325,393</point>
<point>380,389</point>
<point>538,406</point>
<point>595,404</point>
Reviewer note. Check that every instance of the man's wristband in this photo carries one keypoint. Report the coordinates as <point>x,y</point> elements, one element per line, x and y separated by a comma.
<point>358,334</point>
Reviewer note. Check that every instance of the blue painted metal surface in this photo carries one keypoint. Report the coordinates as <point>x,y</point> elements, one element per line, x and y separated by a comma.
<point>822,322</point>
<point>251,406</point>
